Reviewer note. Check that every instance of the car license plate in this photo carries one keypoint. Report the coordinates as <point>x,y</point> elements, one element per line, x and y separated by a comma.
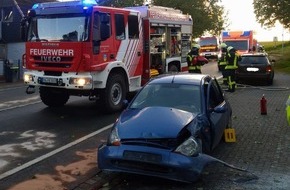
<point>252,69</point>
<point>49,80</point>
<point>142,156</point>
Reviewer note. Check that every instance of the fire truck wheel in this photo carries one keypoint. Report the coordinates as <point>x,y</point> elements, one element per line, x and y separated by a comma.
<point>53,97</point>
<point>173,68</point>
<point>115,93</point>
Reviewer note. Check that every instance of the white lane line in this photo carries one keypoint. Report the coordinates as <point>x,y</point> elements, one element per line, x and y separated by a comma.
<point>19,103</point>
<point>10,88</point>
<point>32,162</point>
<point>23,105</point>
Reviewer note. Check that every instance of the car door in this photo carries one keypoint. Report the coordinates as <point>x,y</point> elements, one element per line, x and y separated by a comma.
<point>217,109</point>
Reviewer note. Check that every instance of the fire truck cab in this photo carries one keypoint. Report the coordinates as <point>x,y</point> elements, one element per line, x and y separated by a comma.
<point>209,47</point>
<point>243,41</point>
<point>82,49</point>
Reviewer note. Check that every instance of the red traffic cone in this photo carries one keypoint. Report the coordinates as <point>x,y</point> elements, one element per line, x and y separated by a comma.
<point>263,105</point>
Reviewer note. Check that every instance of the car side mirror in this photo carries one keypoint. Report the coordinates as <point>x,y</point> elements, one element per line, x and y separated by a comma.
<point>125,104</point>
<point>219,109</point>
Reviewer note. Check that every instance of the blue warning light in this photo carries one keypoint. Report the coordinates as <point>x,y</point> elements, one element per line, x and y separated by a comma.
<point>89,2</point>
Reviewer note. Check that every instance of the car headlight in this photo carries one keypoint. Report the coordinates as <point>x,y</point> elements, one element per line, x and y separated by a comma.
<point>114,138</point>
<point>189,147</point>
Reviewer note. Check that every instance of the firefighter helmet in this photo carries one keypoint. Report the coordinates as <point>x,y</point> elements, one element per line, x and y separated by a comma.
<point>195,49</point>
<point>230,48</point>
<point>197,46</point>
<point>223,45</point>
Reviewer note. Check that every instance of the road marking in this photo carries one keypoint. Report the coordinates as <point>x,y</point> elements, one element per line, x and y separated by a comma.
<point>10,88</point>
<point>15,103</point>
<point>32,162</point>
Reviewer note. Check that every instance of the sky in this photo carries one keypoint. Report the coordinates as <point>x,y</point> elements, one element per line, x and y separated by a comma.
<point>241,16</point>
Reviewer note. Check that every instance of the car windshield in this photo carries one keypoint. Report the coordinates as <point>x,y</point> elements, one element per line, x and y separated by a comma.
<point>180,96</point>
<point>254,60</point>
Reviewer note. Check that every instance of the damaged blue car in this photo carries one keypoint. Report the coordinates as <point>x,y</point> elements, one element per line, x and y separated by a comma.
<point>169,128</point>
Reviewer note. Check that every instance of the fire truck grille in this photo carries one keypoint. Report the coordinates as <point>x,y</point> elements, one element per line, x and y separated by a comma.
<point>59,62</point>
<point>52,73</point>
<point>55,65</point>
<point>62,59</point>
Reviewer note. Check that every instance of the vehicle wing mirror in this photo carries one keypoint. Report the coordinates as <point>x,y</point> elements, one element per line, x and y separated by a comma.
<point>23,29</point>
<point>125,104</point>
<point>220,108</point>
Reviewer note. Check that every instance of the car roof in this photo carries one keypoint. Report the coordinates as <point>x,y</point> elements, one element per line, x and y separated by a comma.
<point>180,78</point>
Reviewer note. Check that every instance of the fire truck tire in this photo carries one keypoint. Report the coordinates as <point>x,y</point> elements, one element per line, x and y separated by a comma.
<point>52,97</point>
<point>173,68</point>
<point>115,93</point>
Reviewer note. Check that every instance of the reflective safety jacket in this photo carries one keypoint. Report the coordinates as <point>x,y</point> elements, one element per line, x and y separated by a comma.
<point>232,60</point>
<point>195,62</point>
<point>223,60</point>
<point>191,61</point>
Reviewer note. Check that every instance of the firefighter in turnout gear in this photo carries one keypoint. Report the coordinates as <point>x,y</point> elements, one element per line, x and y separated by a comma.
<point>232,64</point>
<point>194,60</point>
<point>222,62</point>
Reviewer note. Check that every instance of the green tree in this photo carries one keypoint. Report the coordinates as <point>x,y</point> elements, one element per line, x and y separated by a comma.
<point>269,11</point>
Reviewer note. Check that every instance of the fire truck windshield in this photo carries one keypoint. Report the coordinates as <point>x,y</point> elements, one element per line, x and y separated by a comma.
<point>208,41</point>
<point>58,28</point>
<point>238,44</point>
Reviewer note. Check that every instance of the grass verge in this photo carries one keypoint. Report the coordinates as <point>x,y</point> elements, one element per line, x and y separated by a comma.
<point>280,52</point>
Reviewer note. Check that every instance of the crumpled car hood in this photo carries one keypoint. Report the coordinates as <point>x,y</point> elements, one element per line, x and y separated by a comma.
<point>163,122</point>
<point>153,122</point>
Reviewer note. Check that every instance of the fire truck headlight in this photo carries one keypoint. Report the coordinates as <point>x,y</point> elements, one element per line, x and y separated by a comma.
<point>80,81</point>
<point>27,77</point>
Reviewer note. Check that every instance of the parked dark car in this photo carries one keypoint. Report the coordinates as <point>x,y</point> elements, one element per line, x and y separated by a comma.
<point>255,67</point>
<point>168,128</point>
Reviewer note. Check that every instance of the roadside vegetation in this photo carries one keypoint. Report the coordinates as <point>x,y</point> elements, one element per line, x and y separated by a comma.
<point>279,51</point>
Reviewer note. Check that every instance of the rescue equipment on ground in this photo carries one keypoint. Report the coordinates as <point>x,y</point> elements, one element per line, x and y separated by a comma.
<point>263,105</point>
<point>230,135</point>
<point>288,110</point>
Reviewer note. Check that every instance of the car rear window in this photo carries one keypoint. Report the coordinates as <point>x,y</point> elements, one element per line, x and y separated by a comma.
<point>254,60</point>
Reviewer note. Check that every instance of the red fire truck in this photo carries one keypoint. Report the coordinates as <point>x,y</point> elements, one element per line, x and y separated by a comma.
<point>209,47</point>
<point>104,53</point>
